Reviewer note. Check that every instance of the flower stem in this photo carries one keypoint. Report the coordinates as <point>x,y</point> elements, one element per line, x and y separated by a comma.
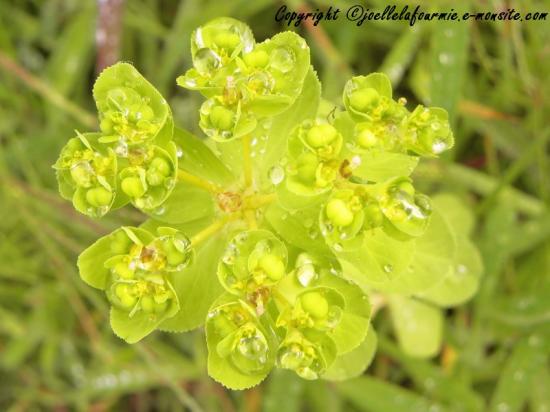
<point>184,176</point>
<point>211,230</point>
<point>257,201</point>
<point>247,161</point>
<point>250,219</point>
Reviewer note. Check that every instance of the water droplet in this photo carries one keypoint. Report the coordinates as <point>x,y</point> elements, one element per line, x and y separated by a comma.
<point>206,60</point>
<point>169,183</point>
<point>306,274</point>
<point>179,152</point>
<point>313,233</point>
<point>338,247</point>
<point>190,82</point>
<point>121,148</point>
<point>439,146</point>
<point>388,268</point>
<point>461,269</point>
<point>282,59</point>
<point>276,175</point>
<point>159,211</point>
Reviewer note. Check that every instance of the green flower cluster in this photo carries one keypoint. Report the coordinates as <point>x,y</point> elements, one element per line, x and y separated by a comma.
<point>132,159</point>
<point>290,230</point>
<point>244,82</point>
<point>274,317</point>
<point>353,165</point>
<point>138,272</point>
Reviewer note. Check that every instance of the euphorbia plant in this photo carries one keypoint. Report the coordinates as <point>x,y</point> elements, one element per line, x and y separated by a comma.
<point>278,229</point>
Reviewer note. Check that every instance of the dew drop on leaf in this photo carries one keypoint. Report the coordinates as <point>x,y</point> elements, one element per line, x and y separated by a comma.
<point>387,268</point>
<point>306,274</point>
<point>206,60</point>
<point>159,211</point>
<point>439,146</point>
<point>276,175</point>
<point>282,59</point>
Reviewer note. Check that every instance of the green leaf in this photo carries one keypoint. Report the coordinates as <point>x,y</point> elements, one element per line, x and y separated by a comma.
<point>133,329</point>
<point>354,363</point>
<point>198,159</point>
<point>298,228</point>
<point>291,201</point>
<point>449,56</point>
<point>354,324</point>
<point>186,203</point>
<point>132,88</point>
<point>197,287</point>
<point>434,257</point>
<point>283,392</point>
<point>274,146</point>
<point>518,375</point>
<point>458,214</point>
<point>435,381</point>
<point>418,326</point>
<point>289,63</point>
<point>462,280</point>
<point>381,166</point>
<point>222,344</point>
<point>379,262</point>
<point>91,260</point>
<point>373,395</point>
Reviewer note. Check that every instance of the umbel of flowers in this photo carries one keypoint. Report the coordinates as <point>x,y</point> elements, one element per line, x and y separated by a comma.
<point>274,229</point>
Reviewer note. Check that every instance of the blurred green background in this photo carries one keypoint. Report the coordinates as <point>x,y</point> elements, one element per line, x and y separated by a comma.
<point>57,351</point>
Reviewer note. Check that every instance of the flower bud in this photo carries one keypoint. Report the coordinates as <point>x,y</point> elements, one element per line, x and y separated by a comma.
<point>373,215</point>
<point>221,118</point>
<point>366,139</point>
<point>315,304</point>
<point>122,269</point>
<point>273,266</point>
<point>256,58</point>
<point>99,196</point>
<point>120,244</point>
<point>321,135</point>
<point>339,213</point>
<point>227,40</point>
<point>307,167</point>
<point>125,296</point>
<point>147,304</point>
<point>364,99</point>
<point>133,187</point>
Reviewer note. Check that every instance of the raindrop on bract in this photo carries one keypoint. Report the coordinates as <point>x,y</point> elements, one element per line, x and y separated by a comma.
<point>276,175</point>
<point>439,146</point>
<point>179,152</point>
<point>282,59</point>
<point>206,60</point>
<point>388,268</point>
<point>306,274</point>
<point>159,211</point>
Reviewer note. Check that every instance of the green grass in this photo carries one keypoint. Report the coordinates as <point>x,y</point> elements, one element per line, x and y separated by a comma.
<point>57,351</point>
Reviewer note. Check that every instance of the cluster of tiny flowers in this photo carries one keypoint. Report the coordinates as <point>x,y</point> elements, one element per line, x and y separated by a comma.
<point>131,159</point>
<point>243,82</point>
<point>276,315</point>
<point>283,304</point>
